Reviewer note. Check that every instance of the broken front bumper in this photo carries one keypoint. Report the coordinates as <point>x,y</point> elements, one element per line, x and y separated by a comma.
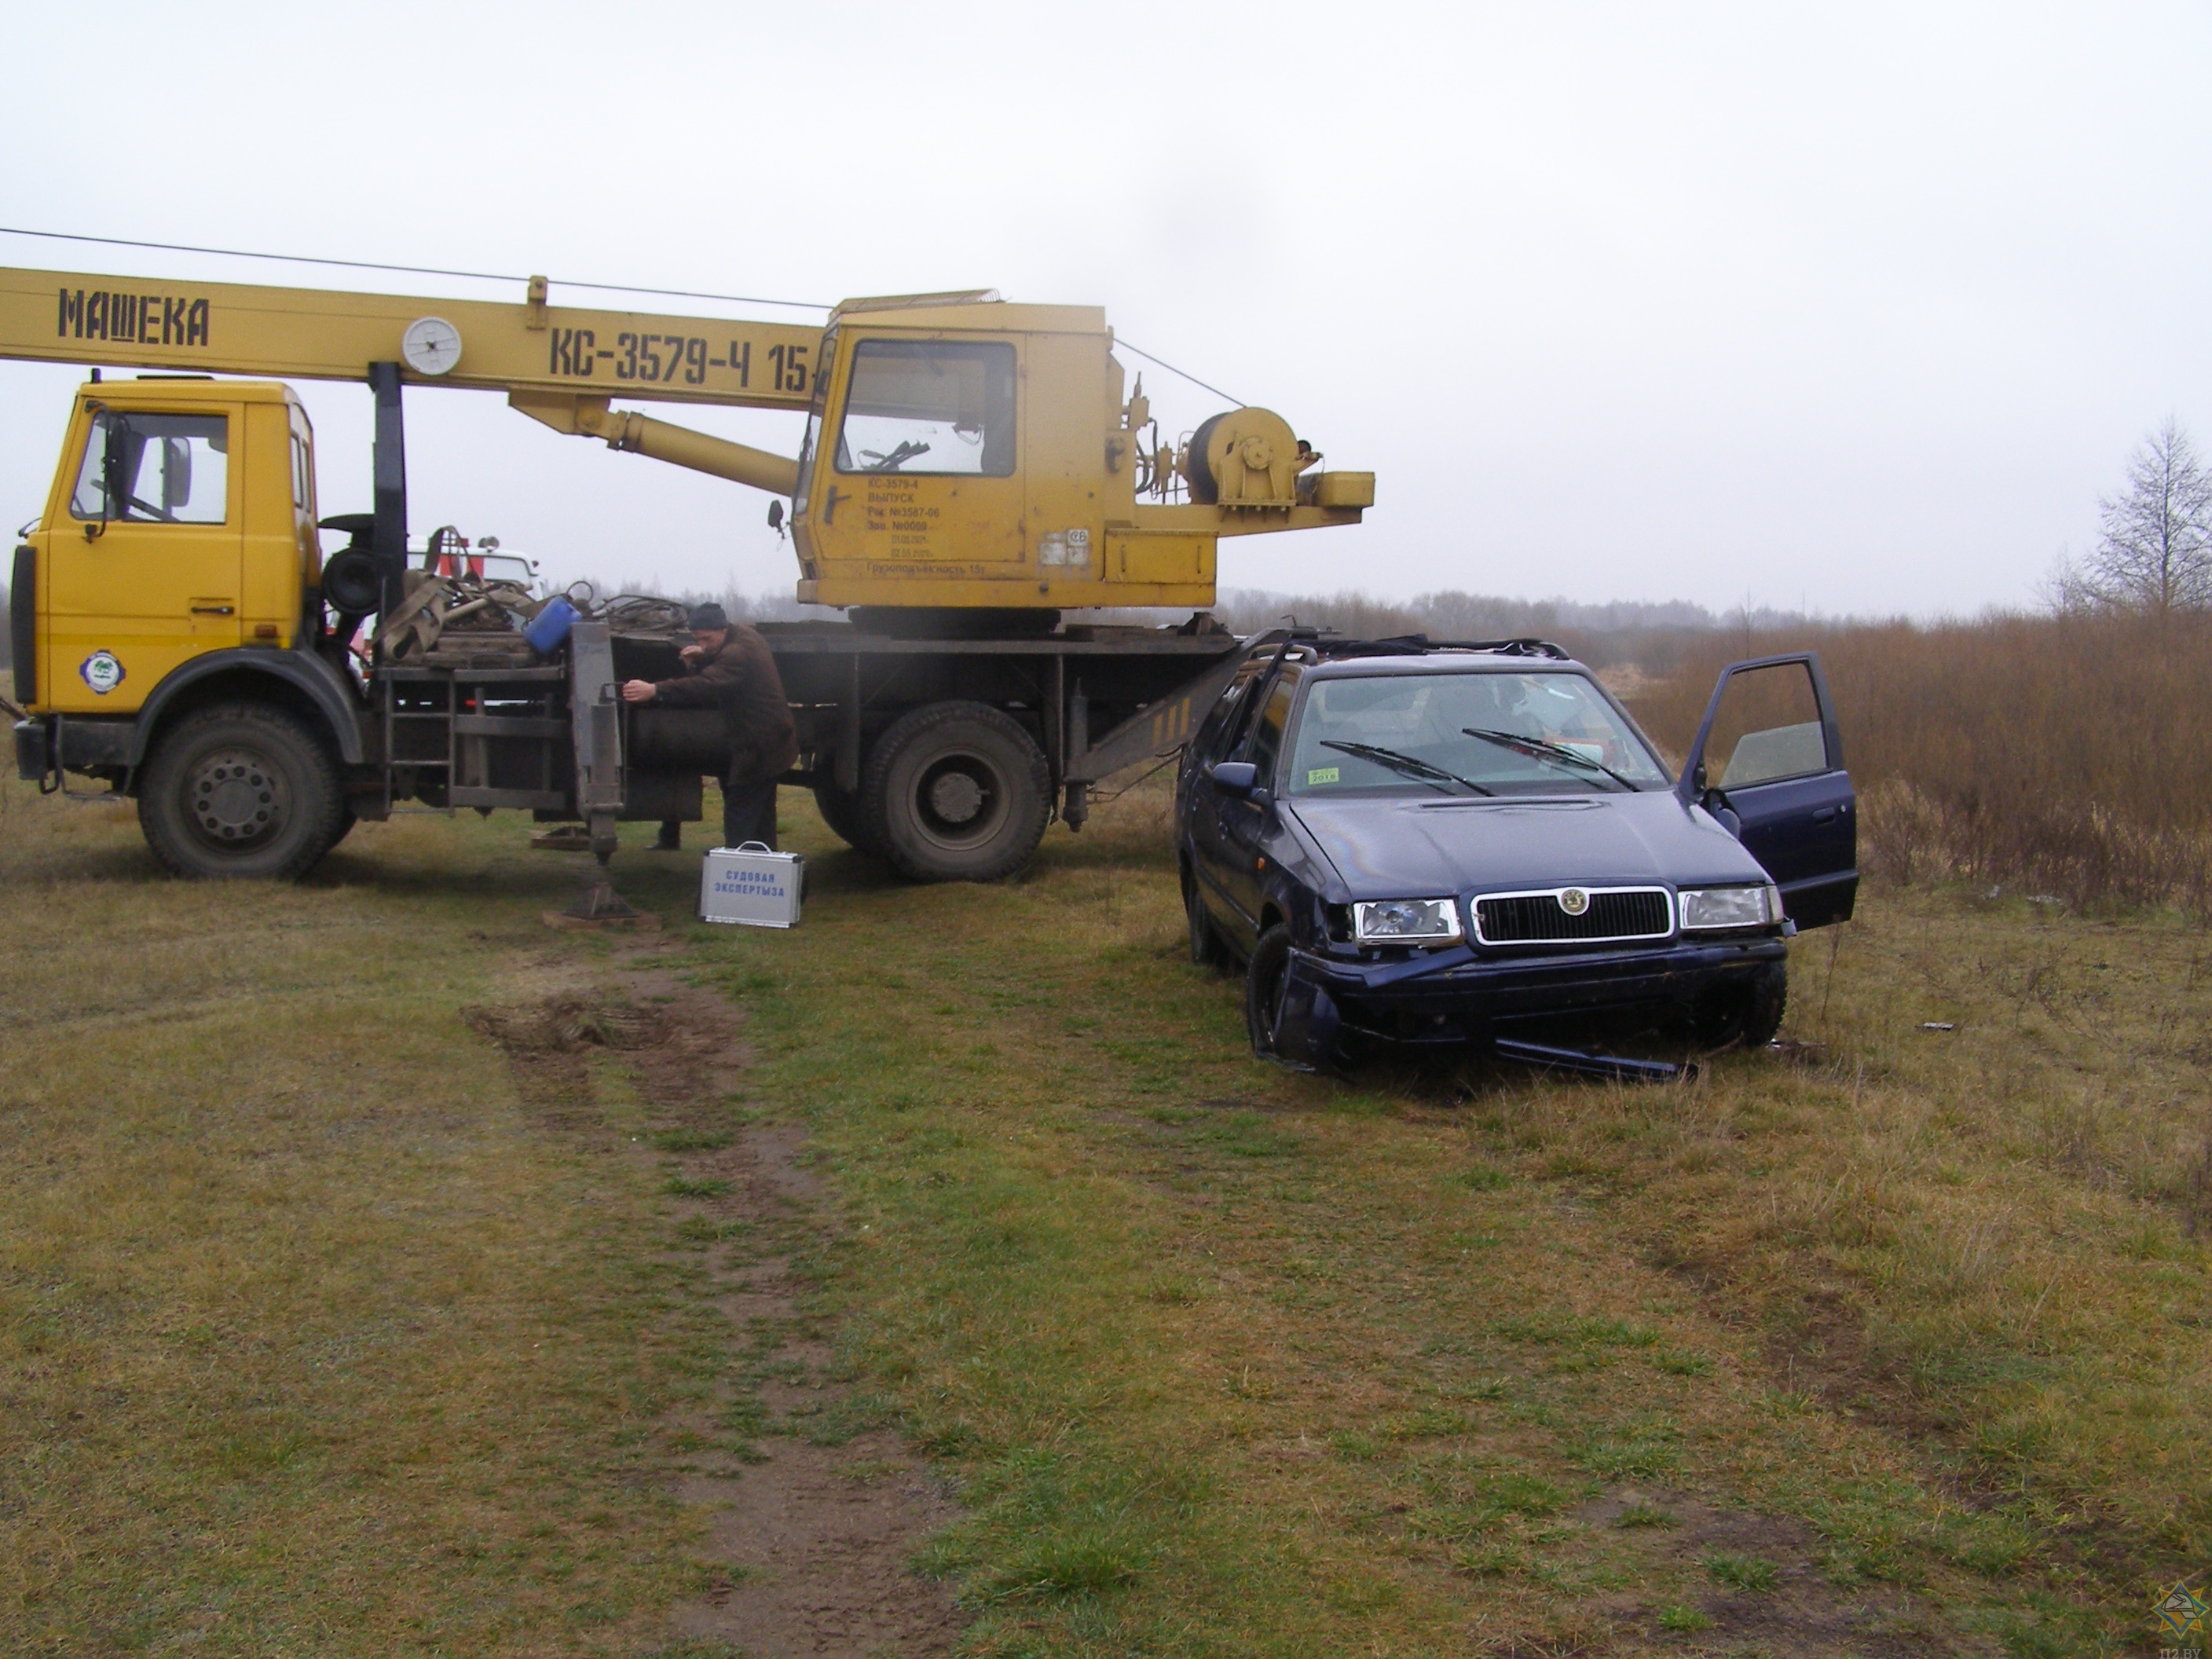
<point>1459,995</point>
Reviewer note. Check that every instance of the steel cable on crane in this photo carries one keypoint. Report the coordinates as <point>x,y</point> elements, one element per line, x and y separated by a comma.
<point>505,276</point>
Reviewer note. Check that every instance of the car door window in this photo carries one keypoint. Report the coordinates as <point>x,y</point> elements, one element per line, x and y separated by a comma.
<point>1767,727</point>
<point>1217,730</point>
<point>1264,740</point>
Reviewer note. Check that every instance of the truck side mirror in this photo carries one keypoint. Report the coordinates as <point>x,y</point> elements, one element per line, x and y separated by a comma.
<point>176,474</point>
<point>775,516</point>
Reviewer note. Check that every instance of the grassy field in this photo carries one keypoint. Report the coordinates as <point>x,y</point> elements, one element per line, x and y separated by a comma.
<point>317,1336</point>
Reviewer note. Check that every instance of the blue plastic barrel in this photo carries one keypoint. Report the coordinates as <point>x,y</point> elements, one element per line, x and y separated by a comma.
<point>550,626</point>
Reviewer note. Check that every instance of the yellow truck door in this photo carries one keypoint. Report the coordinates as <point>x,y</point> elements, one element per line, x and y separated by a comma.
<point>143,555</point>
<point>920,475</point>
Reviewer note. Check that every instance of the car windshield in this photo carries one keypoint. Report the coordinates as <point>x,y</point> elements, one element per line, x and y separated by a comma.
<point>1520,733</point>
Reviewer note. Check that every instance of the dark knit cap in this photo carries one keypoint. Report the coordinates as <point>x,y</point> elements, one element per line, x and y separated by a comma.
<point>706,617</point>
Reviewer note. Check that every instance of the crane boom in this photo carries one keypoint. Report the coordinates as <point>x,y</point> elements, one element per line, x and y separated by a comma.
<point>315,334</point>
<point>986,455</point>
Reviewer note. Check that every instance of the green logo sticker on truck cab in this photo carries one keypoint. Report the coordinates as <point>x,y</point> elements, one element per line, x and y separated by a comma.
<point>1320,775</point>
<point>101,671</point>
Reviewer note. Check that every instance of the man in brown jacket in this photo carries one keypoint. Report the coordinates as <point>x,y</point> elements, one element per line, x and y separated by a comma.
<point>728,667</point>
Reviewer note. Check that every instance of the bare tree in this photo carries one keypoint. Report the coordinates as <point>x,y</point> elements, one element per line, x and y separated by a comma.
<point>2153,551</point>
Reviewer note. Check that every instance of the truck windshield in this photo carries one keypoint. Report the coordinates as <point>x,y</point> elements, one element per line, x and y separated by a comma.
<point>155,469</point>
<point>918,406</point>
<point>1533,733</point>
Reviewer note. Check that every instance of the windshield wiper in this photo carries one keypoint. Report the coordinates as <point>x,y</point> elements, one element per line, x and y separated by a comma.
<point>1410,766</point>
<point>897,458</point>
<point>1544,749</point>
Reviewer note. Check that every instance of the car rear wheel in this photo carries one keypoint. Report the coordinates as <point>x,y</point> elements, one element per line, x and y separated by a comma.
<point>240,789</point>
<point>1266,978</point>
<point>955,792</point>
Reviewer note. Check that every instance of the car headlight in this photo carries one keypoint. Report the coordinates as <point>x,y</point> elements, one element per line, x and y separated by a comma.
<point>1406,921</point>
<point>1708,908</point>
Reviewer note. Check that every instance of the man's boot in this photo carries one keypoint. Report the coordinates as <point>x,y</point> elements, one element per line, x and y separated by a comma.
<point>672,837</point>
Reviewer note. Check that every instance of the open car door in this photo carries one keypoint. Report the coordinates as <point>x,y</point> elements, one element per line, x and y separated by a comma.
<point>1768,763</point>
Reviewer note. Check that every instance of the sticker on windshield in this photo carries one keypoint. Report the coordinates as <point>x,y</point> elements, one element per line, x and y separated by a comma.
<point>1321,774</point>
<point>101,671</point>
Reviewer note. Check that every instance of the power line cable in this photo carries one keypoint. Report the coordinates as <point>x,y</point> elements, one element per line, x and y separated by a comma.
<point>415,271</point>
<point>504,277</point>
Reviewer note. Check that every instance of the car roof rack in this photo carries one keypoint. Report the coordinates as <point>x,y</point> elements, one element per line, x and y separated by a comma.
<point>1413,645</point>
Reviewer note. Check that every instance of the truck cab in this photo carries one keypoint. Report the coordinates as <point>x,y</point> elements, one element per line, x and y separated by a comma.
<point>181,521</point>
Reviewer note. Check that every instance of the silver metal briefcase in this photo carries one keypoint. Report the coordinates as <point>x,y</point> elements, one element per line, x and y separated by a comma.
<point>752,887</point>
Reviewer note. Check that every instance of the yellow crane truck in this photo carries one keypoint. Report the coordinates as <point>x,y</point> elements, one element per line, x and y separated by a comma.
<point>971,470</point>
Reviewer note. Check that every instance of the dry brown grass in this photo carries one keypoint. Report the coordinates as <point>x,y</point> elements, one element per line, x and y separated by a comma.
<point>2061,755</point>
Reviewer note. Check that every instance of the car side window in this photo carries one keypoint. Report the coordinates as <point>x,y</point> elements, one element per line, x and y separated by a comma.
<point>1265,741</point>
<point>1767,727</point>
<point>1212,731</point>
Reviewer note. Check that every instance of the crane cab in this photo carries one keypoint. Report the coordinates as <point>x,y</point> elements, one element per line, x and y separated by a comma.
<point>960,450</point>
<point>181,520</point>
<point>964,452</point>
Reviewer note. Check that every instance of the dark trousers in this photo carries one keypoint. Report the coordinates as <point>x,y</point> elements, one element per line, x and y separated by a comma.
<point>749,814</point>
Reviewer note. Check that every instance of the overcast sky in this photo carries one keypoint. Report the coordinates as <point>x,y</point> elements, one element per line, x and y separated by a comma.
<point>1853,306</point>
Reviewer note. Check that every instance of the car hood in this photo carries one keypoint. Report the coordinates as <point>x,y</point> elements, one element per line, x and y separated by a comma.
<point>1402,849</point>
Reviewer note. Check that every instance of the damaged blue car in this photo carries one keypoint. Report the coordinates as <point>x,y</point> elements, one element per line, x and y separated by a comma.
<point>1415,843</point>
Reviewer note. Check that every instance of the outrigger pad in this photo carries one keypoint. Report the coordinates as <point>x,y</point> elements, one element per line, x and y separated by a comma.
<point>599,906</point>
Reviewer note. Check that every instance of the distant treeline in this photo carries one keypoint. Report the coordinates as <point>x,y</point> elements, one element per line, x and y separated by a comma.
<point>1650,635</point>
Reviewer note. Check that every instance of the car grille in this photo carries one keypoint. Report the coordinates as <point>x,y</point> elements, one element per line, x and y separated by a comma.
<point>1610,913</point>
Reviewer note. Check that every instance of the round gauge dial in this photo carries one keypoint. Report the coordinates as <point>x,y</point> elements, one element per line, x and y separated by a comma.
<point>431,345</point>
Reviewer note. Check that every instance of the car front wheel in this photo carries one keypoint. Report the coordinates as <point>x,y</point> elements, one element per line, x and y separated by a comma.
<point>1748,1014</point>
<point>1265,980</point>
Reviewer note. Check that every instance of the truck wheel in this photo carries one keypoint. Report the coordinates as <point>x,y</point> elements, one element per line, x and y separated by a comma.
<point>955,792</point>
<point>842,813</point>
<point>240,789</point>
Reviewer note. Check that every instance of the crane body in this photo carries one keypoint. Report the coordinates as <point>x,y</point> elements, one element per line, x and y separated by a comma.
<point>969,469</point>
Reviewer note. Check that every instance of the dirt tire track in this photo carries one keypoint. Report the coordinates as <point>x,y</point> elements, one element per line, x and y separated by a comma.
<point>808,1540</point>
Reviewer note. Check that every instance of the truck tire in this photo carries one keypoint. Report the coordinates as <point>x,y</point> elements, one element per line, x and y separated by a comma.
<point>240,789</point>
<point>842,813</point>
<point>955,792</point>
